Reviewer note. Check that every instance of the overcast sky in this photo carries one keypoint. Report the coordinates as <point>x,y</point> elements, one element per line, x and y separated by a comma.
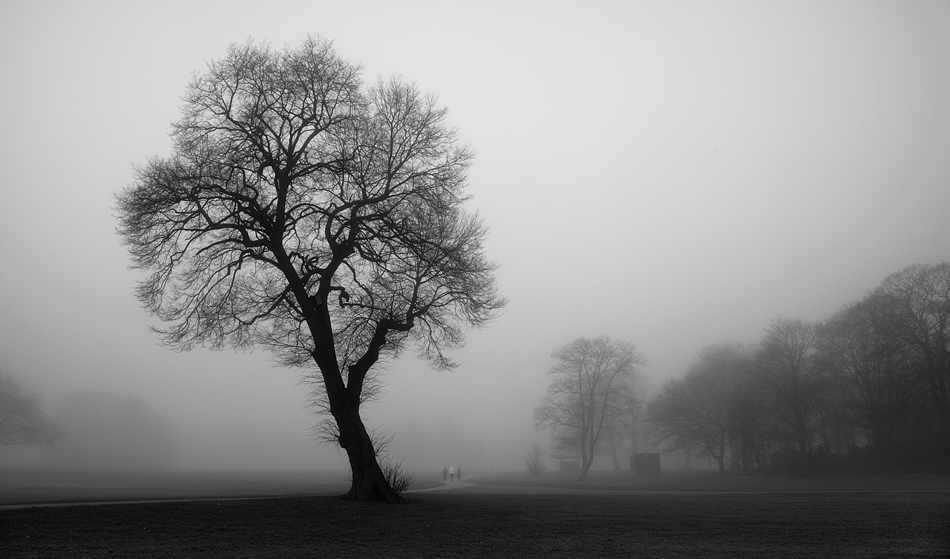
<point>673,174</point>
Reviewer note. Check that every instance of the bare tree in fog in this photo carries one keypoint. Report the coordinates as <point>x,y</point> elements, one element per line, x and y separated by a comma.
<point>877,388</point>
<point>865,390</point>
<point>624,428</point>
<point>632,421</point>
<point>751,427</point>
<point>534,460</point>
<point>916,303</point>
<point>585,393</point>
<point>22,420</point>
<point>614,437</point>
<point>793,380</point>
<point>306,214</point>
<point>696,411</point>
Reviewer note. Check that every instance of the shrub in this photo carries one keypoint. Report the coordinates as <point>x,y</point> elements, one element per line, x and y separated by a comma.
<point>534,460</point>
<point>397,476</point>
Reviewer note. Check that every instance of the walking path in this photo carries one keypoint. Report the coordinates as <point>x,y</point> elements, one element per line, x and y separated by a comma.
<point>445,485</point>
<point>504,489</point>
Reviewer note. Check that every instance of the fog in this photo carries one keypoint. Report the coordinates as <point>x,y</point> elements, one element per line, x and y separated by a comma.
<point>670,174</point>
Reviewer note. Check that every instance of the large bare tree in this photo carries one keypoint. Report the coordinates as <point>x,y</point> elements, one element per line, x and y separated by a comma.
<point>585,393</point>
<point>322,220</point>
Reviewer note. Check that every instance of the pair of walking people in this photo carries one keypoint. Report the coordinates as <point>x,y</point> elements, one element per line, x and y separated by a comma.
<point>452,472</point>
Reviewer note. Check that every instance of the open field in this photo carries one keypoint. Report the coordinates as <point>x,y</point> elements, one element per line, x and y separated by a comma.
<point>503,515</point>
<point>19,486</point>
<point>709,481</point>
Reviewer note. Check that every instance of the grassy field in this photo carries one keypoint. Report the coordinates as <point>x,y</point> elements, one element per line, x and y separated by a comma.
<point>20,486</point>
<point>506,515</point>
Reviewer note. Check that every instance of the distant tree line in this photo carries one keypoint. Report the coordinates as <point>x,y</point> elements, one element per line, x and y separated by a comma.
<point>106,431</point>
<point>864,391</point>
<point>87,429</point>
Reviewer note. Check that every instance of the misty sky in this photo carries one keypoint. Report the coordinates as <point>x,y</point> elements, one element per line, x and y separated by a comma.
<point>673,174</point>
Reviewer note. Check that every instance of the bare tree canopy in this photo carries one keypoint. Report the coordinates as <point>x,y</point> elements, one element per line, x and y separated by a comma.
<point>916,304</point>
<point>699,410</point>
<point>708,408</point>
<point>22,420</point>
<point>867,390</point>
<point>587,389</point>
<point>877,386</point>
<point>311,216</point>
<point>793,379</point>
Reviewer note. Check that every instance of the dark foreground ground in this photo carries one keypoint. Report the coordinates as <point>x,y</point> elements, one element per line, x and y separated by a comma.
<point>515,516</point>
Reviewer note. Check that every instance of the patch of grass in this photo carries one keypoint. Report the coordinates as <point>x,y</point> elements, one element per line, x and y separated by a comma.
<point>19,486</point>
<point>623,480</point>
<point>852,524</point>
<point>613,514</point>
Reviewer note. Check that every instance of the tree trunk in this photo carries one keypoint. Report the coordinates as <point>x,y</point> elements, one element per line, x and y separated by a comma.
<point>368,482</point>
<point>940,396</point>
<point>747,447</point>
<point>613,452</point>
<point>585,467</point>
<point>721,457</point>
<point>803,450</point>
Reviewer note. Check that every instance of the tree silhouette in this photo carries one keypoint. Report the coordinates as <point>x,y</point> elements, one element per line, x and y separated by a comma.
<point>306,214</point>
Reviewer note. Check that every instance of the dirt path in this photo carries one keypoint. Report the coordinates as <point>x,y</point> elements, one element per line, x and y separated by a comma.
<point>446,486</point>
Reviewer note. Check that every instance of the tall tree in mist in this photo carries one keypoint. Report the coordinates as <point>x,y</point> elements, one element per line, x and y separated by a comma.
<point>534,460</point>
<point>22,420</point>
<point>585,392</point>
<point>697,410</point>
<point>877,386</point>
<point>916,306</point>
<point>792,379</point>
<point>750,427</point>
<point>625,430</point>
<point>309,215</point>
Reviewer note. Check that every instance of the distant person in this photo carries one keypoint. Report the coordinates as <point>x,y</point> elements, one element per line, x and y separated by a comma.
<point>445,473</point>
<point>458,473</point>
<point>452,473</point>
